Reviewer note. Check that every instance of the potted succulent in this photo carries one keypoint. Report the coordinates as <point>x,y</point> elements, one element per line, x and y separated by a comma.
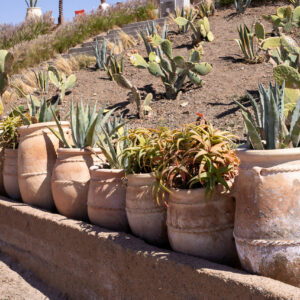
<point>33,11</point>
<point>146,215</point>
<point>9,140</point>
<point>70,178</point>
<point>267,220</point>
<point>37,152</point>
<point>107,189</point>
<point>197,173</point>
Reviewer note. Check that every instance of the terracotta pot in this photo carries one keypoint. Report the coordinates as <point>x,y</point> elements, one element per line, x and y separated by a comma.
<point>146,219</point>
<point>106,199</point>
<point>33,13</point>
<point>70,181</point>
<point>202,226</point>
<point>267,219</point>
<point>36,159</point>
<point>2,190</point>
<point>10,174</point>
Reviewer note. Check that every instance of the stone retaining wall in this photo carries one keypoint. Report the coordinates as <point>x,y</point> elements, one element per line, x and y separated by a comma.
<point>88,262</point>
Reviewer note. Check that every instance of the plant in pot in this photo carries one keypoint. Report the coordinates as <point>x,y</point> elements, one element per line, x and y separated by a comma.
<point>146,216</point>
<point>9,140</point>
<point>197,173</point>
<point>71,176</point>
<point>107,189</point>
<point>37,152</point>
<point>33,11</point>
<point>267,220</point>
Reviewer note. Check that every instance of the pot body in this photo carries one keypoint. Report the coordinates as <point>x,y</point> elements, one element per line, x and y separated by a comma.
<point>202,226</point>
<point>70,181</point>
<point>146,219</point>
<point>36,159</point>
<point>267,220</point>
<point>106,199</point>
<point>33,13</point>
<point>10,174</point>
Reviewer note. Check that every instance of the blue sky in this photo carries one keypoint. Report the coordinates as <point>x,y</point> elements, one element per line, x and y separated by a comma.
<point>14,11</point>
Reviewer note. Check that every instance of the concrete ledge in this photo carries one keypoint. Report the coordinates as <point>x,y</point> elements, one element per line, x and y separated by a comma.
<point>88,262</point>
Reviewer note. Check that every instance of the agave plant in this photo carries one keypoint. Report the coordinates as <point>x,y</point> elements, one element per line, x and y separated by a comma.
<point>101,53</point>
<point>206,9</point>
<point>84,125</point>
<point>114,66</point>
<point>269,128</point>
<point>197,156</point>
<point>31,3</point>
<point>188,14</point>
<point>249,42</point>
<point>9,136</point>
<point>241,5</point>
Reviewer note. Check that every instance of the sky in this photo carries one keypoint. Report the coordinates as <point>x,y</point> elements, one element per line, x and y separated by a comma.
<point>14,11</point>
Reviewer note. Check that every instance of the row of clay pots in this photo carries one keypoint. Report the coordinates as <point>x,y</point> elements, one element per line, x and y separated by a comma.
<point>267,217</point>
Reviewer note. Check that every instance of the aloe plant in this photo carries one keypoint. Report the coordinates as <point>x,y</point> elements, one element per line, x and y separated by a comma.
<point>84,125</point>
<point>151,30</point>
<point>173,71</point>
<point>286,18</point>
<point>112,144</point>
<point>101,53</point>
<point>249,41</point>
<point>114,66</point>
<point>241,5</point>
<point>61,81</point>
<point>268,128</point>
<point>201,30</point>
<point>135,96</point>
<point>31,3</point>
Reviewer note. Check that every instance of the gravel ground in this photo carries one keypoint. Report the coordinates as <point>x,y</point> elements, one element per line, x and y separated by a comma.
<point>17,283</point>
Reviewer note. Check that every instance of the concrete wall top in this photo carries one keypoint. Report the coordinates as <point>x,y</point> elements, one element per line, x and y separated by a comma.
<point>88,262</point>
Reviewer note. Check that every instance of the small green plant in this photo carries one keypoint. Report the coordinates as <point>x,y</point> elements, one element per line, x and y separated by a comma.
<point>6,61</point>
<point>112,144</point>
<point>241,5</point>
<point>61,82</point>
<point>268,128</point>
<point>84,125</point>
<point>101,54</point>
<point>249,42</point>
<point>197,156</point>
<point>188,14</point>
<point>173,71</point>
<point>114,66</point>
<point>285,19</point>
<point>9,137</point>
<point>135,96</point>
<point>151,30</point>
<point>201,30</point>
<point>31,3</point>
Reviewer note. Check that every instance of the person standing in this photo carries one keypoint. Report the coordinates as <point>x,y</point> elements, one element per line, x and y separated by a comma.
<point>103,6</point>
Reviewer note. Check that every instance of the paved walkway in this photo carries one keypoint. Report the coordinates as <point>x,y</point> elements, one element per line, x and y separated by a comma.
<point>16,283</point>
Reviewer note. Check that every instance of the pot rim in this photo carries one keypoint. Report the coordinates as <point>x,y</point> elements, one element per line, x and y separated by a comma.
<point>10,150</point>
<point>77,151</point>
<point>34,7</point>
<point>141,175</point>
<point>243,150</point>
<point>98,169</point>
<point>41,125</point>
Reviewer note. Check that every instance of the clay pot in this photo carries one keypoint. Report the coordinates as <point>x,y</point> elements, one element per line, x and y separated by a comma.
<point>202,226</point>
<point>146,219</point>
<point>267,219</point>
<point>70,181</point>
<point>106,199</point>
<point>2,191</point>
<point>10,174</point>
<point>36,159</point>
<point>33,13</point>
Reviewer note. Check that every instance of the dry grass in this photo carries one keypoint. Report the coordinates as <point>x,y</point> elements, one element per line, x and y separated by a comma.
<point>63,65</point>
<point>128,41</point>
<point>84,61</point>
<point>19,84</point>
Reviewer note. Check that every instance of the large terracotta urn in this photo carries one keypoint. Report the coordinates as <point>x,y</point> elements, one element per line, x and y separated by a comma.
<point>267,218</point>
<point>70,181</point>
<point>146,218</point>
<point>10,174</point>
<point>202,226</point>
<point>106,199</point>
<point>36,159</point>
